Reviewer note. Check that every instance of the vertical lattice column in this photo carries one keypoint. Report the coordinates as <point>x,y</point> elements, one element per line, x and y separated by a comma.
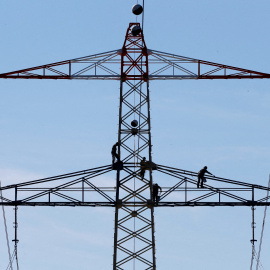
<point>134,242</point>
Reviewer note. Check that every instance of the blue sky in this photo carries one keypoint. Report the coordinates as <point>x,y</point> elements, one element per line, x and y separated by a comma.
<point>54,127</point>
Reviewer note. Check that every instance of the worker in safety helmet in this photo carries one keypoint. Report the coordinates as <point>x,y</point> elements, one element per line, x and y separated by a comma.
<point>114,153</point>
<point>156,189</point>
<point>201,177</point>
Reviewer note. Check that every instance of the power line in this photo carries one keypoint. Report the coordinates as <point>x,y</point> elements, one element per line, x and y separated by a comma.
<point>260,246</point>
<point>5,223</point>
<point>143,15</point>
<point>10,264</point>
<point>258,261</point>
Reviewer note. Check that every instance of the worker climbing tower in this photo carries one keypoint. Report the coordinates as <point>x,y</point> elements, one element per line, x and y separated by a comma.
<point>134,219</point>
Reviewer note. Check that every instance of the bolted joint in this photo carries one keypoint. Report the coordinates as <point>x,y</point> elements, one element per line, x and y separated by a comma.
<point>149,204</point>
<point>119,204</point>
<point>134,131</point>
<point>134,213</point>
<point>144,51</point>
<point>124,51</point>
<point>145,77</point>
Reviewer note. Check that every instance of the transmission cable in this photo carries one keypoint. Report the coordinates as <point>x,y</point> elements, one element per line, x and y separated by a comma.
<point>143,15</point>
<point>252,257</point>
<point>5,224</point>
<point>258,261</point>
<point>12,259</point>
<point>255,255</point>
<point>260,246</point>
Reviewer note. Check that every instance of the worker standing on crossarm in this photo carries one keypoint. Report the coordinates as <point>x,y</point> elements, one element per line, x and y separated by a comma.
<point>114,152</point>
<point>156,189</point>
<point>201,177</point>
<point>143,167</point>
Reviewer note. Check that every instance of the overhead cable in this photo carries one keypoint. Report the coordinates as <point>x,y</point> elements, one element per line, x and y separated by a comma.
<point>12,259</point>
<point>260,246</point>
<point>5,224</point>
<point>258,261</point>
<point>143,15</point>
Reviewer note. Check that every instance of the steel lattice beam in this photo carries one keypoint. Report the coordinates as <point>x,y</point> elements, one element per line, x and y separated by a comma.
<point>79,191</point>
<point>100,66</point>
<point>175,67</point>
<point>105,66</point>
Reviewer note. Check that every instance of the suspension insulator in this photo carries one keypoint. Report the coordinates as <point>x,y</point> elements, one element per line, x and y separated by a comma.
<point>136,30</point>
<point>137,9</point>
<point>134,123</point>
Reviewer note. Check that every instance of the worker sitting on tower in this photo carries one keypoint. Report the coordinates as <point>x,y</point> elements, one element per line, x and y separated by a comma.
<point>114,152</point>
<point>143,167</point>
<point>201,178</point>
<point>156,189</point>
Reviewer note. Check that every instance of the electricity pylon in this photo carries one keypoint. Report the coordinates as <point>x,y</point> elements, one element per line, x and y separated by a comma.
<point>134,238</point>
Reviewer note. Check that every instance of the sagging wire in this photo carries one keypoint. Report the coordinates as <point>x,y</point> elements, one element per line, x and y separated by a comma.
<point>5,224</point>
<point>255,256</point>
<point>137,16</point>
<point>9,267</point>
<point>260,245</point>
<point>143,15</point>
<point>252,257</point>
<point>258,261</point>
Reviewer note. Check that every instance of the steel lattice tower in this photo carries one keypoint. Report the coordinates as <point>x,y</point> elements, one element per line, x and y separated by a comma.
<point>134,221</point>
<point>134,239</point>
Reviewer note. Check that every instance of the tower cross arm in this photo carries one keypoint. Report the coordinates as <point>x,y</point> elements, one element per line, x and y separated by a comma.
<point>72,189</point>
<point>102,66</point>
<point>165,66</point>
<point>215,191</point>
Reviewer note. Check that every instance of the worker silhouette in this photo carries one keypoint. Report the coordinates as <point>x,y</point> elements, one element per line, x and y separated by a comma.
<point>156,189</point>
<point>201,178</point>
<point>143,167</point>
<point>114,152</point>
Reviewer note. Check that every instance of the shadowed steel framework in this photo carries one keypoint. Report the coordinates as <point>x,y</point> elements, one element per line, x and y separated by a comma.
<point>134,232</point>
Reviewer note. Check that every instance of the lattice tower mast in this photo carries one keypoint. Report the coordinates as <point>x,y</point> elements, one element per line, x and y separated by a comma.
<point>134,240</point>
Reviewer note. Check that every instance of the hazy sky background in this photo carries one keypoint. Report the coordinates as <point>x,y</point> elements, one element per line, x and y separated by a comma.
<point>55,127</point>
